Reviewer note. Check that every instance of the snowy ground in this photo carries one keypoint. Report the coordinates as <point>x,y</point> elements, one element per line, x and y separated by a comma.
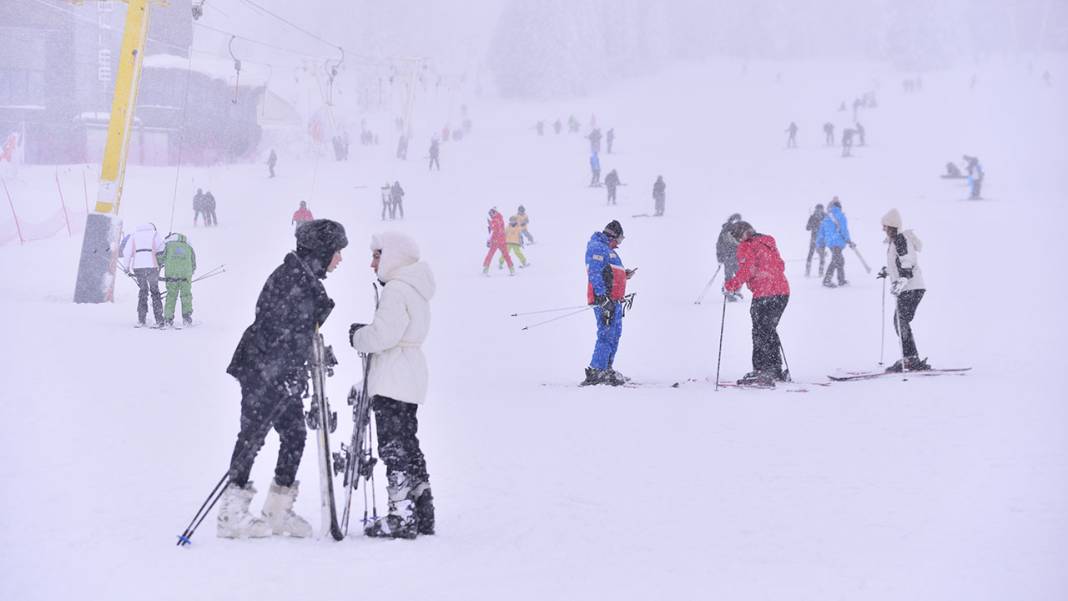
<point>932,488</point>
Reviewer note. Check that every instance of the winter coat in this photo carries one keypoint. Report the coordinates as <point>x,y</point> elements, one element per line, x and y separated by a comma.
<point>902,260</point>
<point>302,215</point>
<point>209,201</point>
<point>726,244</point>
<point>760,267</point>
<point>140,250</point>
<point>658,189</point>
<point>495,225</point>
<point>612,180</point>
<point>401,323</point>
<point>275,348</point>
<point>179,259</point>
<point>396,193</point>
<point>512,234</point>
<point>813,224</point>
<point>521,219</point>
<point>834,229</point>
<point>605,274</point>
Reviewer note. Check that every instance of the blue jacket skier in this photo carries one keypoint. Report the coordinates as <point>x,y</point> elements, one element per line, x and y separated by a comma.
<point>834,234</point>
<point>606,288</point>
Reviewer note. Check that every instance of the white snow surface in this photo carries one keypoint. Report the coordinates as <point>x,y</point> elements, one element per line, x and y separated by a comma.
<point>931,488</point>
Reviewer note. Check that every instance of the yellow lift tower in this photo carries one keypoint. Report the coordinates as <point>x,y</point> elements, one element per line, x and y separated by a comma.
<point>100,246</point>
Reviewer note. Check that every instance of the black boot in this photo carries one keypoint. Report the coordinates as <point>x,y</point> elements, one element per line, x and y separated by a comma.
<point>401,522</point>
<point>424,508</point>
<point>594,377</point>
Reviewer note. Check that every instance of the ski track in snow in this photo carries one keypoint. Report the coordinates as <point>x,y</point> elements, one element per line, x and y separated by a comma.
<point>934,488</point>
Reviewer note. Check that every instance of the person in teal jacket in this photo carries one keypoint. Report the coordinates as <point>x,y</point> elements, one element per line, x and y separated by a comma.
<point>834,234</point>
<point>179,264</point>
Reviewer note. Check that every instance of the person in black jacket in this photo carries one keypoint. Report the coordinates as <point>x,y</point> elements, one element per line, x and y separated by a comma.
<point>813,226</point>
<point>270,365</point>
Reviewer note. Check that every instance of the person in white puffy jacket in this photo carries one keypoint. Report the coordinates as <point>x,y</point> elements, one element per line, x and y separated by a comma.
<point>398,380</point>
<point>139,255</point>
<point>906,283</point>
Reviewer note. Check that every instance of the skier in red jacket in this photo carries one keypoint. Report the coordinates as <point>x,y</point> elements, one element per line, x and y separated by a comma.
<point>761,268</point>
<point>302,215</point>
<point>497,241</point>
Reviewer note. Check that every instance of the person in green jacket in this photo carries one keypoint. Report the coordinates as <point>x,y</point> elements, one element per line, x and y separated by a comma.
<point>179,264</point>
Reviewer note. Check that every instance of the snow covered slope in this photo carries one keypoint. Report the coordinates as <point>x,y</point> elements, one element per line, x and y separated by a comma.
<point>931,488</point>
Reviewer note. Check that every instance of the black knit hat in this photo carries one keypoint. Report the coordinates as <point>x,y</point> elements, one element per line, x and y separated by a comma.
<point>614,230</point>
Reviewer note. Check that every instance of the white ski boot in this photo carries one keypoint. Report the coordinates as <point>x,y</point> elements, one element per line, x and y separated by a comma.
<point>278,511</point>
<point>401,522</point>
<point>234,520</point>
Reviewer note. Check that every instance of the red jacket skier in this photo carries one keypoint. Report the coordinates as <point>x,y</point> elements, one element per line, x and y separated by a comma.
<point>761,267</point>
<point>497,241</point>
<point>302,214</point>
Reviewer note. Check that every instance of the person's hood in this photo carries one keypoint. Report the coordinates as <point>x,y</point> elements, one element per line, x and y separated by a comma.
<point>400,261</point>
<point>175,237</point>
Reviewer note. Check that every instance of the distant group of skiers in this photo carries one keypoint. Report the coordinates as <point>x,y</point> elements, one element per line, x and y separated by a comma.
<point>392,200</point>
<point>507,240</point>
<point>204,208</point>
<point>271,363</point>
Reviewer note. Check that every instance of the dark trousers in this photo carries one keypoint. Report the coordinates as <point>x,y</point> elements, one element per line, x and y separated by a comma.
<point>259,402</point>
<point>148,284</point>
<point>907,302</point>
<point>270,167</point>
<point>595,177</point>
<point>433,162</point>
<point>658,205</point>
<point>397,425</point>
<point>813,249</point>
<point>837,264</point>
<point>767,349</point>
<point>611,195</point>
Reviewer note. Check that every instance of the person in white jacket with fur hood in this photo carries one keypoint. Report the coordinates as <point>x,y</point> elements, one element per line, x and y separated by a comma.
<point>398,380</point>
<point>906,283</point>
<point>140,254</point>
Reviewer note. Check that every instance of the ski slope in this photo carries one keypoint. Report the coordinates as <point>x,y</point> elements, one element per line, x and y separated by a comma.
<point>932,488</point>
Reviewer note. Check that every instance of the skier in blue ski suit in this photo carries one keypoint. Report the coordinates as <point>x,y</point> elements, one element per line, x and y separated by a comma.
<point>834,234</point>
<point>607,285</point>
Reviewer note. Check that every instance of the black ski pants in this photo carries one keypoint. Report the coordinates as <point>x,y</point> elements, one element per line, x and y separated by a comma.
<point>434,162</point>
<point>837,264</point>
<point>812,250</point>
<point>767,348</point>
<point>263,407</point>
<point>148,285</point>
<point>397,425</point>
<point>611,195</point>
<point>907,302</point>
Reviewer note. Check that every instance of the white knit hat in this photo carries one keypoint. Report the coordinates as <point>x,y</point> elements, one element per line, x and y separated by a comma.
<point>892,219</point>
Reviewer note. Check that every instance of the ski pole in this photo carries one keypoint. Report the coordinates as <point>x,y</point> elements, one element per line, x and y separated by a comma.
<point>782,352</point>
<point>882,337</point>
<point>549,310</point>
<point>207,275</point>
<point>541,323</point>
<point>862,261</point>
<point>719,356</point>
<point>708,285</point>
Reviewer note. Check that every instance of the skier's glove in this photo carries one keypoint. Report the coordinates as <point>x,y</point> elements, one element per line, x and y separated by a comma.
<point>353,328</point>
<point>852,244</point>
<point>882,274</point>
<point>898,286</point>
<point>607,306</point>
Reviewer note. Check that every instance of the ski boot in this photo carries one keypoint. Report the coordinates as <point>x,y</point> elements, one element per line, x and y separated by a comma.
<point>424,507</point>
<point>909,364</point>
<point>234,520</point>
<point>782,375</point>
<point>829,284</point>
<point>594,377</point>
<point>278,511</point>
<point>401,522</point>
<point>614,376</point>
<point>187,319</point>
<point>759,379</point>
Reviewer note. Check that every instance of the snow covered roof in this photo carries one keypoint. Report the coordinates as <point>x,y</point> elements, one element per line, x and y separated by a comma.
<point>252,75</point>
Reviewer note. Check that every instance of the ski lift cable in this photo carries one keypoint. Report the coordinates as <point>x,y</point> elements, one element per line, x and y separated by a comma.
<point>290,23</point>
<point>181,140</point>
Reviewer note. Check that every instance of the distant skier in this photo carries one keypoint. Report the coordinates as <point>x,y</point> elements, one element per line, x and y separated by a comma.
<point>975,177</point>
<point>605,288</point>
<point>557,126</point>
<point>497,242</point>
<point>198,208</point>
<point>387,200</point>
<point>791,140</point>
<point>659,196</point>
<point>762,269</point>
<point>834,234</point>
<point>301,215</point>
<point>862,141</point>
<point>611,182</point>
<point>906,283</point>
<point>398,381</point>
<point>540,128</point>
<point>435,149</point>
<point>396,197</point>
<point>813,227</point>
<point>828,133</point>
<point>847,142</point>
<point>142,263</point>
<point>513,238</point>
<point>572,124</point>
<point>726,253</point>
<point>595,140</point>
<point>271,162</point>
<point>952,171</point>
<point>270,364</point>
<point>610,138</point>
<point>402,147</point>
<point>523,220</point>
<point>209,209</point>
<point>595,171</point>
<point>179,265</point>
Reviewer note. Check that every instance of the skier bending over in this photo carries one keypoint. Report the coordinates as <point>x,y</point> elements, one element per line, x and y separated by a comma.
<point>761,268</point>
<point>397,381</point>
<point>496,242</point>
<point>606,287</point>
<point>270,364</point>
<point>906,283</point>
